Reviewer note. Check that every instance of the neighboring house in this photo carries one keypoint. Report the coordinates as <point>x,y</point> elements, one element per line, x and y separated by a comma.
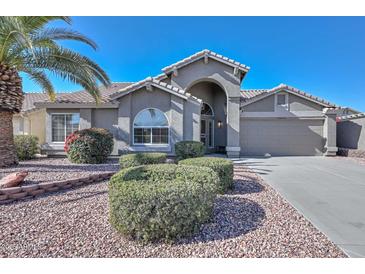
<point>351,131</point>
<point>198,98</point>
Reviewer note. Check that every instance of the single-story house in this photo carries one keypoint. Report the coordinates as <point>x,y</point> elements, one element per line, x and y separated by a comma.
<point>198,98</point>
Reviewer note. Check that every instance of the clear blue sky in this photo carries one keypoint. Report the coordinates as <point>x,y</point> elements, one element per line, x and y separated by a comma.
<point>321,55</point>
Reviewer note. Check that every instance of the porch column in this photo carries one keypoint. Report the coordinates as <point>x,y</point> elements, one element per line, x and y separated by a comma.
<point>329,131</point>
<point>192,109</point>
<point>233,127</point>
<point>176,121</point>
<point>124,123</point>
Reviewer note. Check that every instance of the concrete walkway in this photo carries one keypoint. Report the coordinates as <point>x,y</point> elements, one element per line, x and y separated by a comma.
<point>329,192</point>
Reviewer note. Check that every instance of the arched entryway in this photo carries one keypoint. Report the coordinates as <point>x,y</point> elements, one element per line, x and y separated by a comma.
<point>213,118</point>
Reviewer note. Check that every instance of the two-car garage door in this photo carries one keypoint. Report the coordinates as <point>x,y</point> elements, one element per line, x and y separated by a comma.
<point>281,137</point>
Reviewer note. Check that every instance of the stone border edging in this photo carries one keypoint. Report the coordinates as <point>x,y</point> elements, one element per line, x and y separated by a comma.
<point>10,194</point>
<point>347,152</point>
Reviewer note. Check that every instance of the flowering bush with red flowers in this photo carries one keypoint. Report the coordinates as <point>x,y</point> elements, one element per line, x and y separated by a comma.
<point>69,140</point>
<point>89,146</point>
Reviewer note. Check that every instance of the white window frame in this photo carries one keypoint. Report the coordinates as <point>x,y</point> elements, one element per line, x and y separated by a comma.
<point>64,113</point>
<point>282,107</point>
<point>151,127</point>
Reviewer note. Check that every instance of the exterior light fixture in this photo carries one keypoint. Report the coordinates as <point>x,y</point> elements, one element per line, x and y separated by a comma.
<point>220,124</point>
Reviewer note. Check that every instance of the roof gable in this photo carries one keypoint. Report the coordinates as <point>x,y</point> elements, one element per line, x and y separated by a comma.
<point>206,54</point>
<point>282,87</point>
<point>153,82</point>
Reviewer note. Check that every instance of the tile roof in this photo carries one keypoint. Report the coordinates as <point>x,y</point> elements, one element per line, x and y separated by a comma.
<point>303,93</point>
<point>255,94</point>
<point>154,82</point>
<point>70,97</point>
<point>351,116</point>
<point>210,54</point>
<point>34,97</point>
<point>251,93</point>
<point>84,97</point>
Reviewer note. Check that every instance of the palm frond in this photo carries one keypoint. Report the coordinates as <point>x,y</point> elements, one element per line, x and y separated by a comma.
<point>51,34</point>
<point>27,44</point>
<point>33,23</point>
<point>71,66</point>
<point>42,80</point>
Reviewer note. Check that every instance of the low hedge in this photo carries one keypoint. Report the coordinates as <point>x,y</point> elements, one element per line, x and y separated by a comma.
<point>26,146</point>
<point>223,168</point>
<point>189,149</point>
<point>130,160</point>
<point>161,202</point>
<point>89,146</point>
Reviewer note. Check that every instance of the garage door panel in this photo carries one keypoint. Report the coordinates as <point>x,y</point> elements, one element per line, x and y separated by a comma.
<point>282,137</point>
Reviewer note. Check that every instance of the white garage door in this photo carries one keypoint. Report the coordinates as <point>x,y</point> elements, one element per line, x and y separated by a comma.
<point>281,137</point>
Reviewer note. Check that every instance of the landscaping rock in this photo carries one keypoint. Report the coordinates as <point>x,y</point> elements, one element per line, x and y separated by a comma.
<point>13,179</point>
<point>252,220</point>
<point>45,170</point>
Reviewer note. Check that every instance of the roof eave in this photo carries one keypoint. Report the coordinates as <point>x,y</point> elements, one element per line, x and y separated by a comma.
<point>206,53</point>
<point>289,89</point>
<point>77,105</point>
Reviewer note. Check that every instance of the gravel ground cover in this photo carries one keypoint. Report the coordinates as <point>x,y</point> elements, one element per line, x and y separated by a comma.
<point>250,221</point>
<point>360,161</point>
<point>56,169</point>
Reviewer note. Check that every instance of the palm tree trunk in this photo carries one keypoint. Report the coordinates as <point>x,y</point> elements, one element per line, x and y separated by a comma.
<point>7,149</point>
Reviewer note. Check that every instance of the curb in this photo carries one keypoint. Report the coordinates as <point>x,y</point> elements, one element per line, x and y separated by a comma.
<point>10,194</point>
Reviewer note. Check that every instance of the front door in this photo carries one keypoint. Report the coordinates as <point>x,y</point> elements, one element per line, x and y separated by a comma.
<point>206,133</point>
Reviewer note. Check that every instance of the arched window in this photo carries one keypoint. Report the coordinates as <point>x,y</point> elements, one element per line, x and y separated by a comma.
<point>206,110</point>
<point>150,126</point>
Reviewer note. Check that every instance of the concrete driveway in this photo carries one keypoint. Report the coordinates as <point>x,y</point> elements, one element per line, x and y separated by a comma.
<point>329,192</point>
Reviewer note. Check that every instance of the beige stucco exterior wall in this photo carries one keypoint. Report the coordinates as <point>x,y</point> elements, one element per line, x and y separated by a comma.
<point>37,123</point>
<point>33,123</point>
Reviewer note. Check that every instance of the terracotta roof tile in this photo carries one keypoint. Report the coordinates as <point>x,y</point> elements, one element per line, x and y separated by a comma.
<point>251,93</point>
<point>84,97</point>
<point>71,97</point>
<point>202,54</point>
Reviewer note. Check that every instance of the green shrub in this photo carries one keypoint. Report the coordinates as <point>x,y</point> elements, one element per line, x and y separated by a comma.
<point>26,146</point>
<point>89,146</point>
<point>223,168</point>
<point>189,149</point>
<point>138,159</point>
<point>161,202</point>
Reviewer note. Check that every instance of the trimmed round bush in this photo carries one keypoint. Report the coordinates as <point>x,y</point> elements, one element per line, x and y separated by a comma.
<point>161,202</point>
<point>26,146</point>
<point>138,159</point>
<point>223,168</point>
<point>189,149</point>
<point>89,146</point>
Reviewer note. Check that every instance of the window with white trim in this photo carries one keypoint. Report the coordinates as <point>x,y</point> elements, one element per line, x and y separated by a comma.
<point>63,125</point>
<point>150,127</point>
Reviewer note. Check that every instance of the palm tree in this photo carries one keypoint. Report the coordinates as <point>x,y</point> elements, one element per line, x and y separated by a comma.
<point>29,45</point>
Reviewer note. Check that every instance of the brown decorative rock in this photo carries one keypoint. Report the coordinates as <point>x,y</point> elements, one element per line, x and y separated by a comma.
<point>13,179</point>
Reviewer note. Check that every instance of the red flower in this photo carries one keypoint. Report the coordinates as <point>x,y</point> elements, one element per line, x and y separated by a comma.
<point>69,140</point>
